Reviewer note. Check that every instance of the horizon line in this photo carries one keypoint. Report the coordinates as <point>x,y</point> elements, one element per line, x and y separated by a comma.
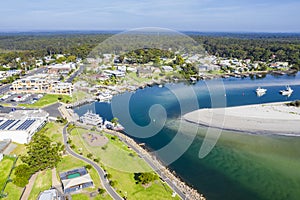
<point>126,30</point>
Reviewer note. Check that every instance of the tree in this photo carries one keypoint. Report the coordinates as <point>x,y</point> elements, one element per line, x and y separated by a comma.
<point>145,178</point>
<point>42,153</point>
<point>71,59</point>
<point>22,175</point>
<point>115,121</point>
<point>89,155</point>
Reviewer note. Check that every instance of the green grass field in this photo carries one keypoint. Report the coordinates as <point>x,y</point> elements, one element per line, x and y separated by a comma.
<point>5,167</point>
<point>121,162</point>
<point>42,182</point>
<point>116,154</point>
<point>13,192</point>
<point>46,100</point>
<point>54,131</point>
<point>85,196</point>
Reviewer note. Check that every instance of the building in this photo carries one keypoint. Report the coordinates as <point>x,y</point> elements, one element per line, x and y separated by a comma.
<point>75,180</point>
<point>167,68</point>
<point>61,68</point>
<point>51,194</point>
<point>19,126</point>
<point>115,73</point>
<point>90,118</point>
<point>41,83</point>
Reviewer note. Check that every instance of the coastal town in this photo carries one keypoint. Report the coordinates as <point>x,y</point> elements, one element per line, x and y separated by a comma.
<point>149,100</point>
<point>48,93</point>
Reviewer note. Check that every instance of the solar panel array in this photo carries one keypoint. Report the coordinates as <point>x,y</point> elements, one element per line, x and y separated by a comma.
<point>6,124</point>
<point>13,124</point>
<point>26,124</point>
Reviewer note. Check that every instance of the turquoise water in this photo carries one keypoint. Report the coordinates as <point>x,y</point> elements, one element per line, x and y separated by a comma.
<point>241,166</point>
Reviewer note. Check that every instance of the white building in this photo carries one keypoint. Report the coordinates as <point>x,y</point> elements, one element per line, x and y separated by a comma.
<point>19,126</point>
<point>167,68</point>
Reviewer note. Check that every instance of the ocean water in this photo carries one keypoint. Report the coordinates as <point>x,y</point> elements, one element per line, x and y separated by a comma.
<point>240,166</point>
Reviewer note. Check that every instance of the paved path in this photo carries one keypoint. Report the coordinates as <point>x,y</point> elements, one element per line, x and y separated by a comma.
<point>154,167</point>
<point>100,171</point>
<point>55,182</point>
<point>29,186</point>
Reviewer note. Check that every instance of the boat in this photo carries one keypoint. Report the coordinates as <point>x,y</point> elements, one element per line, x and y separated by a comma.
<point>193,79</point>
<point>91,118</point>
<point>287,92</point>
<point>260,91</point>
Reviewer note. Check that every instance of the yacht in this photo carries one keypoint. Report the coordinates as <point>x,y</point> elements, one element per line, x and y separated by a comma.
<point>90,118</point>
<point>287,92</point>
<point>260,91</point>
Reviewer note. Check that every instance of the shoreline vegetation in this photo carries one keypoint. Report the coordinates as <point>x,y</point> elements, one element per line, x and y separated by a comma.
<point>271,118</point>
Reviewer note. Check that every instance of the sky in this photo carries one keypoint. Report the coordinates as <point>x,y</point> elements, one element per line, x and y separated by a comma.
<point>181,15</point>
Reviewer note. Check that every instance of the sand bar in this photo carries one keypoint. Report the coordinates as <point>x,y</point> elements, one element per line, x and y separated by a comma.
<point>272,118</point>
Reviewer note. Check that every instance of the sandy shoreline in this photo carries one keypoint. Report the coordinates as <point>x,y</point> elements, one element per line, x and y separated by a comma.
<point>271,118</point>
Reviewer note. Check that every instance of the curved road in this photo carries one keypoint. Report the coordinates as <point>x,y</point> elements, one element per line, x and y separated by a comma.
<point>100,171</point>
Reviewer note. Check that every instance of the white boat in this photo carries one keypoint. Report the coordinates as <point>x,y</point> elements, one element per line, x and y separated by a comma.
<point>260,91</point>
<point>193,79</point>
<point>287,92</point>
<point>90,118</point>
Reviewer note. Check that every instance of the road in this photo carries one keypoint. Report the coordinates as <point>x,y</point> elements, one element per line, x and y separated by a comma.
<point>79,71</point>
<point>100,171</point>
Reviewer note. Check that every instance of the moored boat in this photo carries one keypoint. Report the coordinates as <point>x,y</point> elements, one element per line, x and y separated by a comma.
<point>260,91</point>
<point>287,92</point>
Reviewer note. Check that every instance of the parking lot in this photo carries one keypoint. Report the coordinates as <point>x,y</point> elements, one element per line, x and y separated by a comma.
<point>15,99</point>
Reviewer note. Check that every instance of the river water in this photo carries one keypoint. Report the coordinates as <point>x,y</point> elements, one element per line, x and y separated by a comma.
<point>240,166</point>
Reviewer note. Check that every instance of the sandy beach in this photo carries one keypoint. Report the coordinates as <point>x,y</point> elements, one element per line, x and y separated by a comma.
<point>272,118</point>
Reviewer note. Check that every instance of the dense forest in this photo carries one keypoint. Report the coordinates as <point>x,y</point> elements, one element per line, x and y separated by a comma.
<point>257,47</point>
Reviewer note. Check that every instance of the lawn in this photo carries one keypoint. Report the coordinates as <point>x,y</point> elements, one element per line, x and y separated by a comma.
<point>115,155</point>
<point>121,162</point>
<point>47,100</point>
<point>85,196</point>
<point>54,131</point>
<point>42,182</point>
<point>13,192</point>
<point>126,185</point>
<point>5,167</point>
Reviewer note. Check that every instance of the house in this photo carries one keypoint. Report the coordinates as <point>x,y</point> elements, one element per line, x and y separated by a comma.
<point>75,180</point>
<point>122,68</point>
<point>209,67</point>
<point>279,65</point>
<point>167,68</point>
<point>115,73</point>
<point>144,72</point>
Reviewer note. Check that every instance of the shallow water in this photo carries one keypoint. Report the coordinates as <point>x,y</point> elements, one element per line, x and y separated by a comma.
<point>240,166</point>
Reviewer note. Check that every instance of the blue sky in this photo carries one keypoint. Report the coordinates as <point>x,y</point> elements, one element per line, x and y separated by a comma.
<point>192,15</point>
